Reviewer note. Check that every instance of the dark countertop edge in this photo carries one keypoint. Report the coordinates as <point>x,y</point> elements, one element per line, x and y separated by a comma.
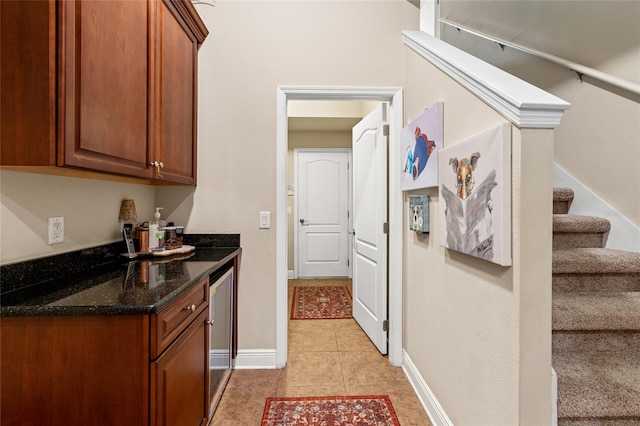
<point>182,289</point>
<point>47,311</point>
<point>35,272</point>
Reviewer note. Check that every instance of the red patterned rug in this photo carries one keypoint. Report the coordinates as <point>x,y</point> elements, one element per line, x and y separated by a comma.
<point>321,302</point>
<point>330,411</point>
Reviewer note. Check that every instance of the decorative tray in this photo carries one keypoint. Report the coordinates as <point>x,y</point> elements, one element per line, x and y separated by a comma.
<point>179,250</point>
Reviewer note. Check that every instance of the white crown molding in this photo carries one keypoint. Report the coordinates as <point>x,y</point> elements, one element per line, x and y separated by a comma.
<point>523,104</point>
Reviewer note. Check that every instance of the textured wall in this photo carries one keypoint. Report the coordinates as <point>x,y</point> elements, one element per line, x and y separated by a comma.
<point>598,141</point>
<point>90,209</point>
<point>480,333</point>
<point>253,47</point>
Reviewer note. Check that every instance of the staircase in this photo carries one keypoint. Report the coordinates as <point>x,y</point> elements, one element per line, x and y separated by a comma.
<point>596,321</point>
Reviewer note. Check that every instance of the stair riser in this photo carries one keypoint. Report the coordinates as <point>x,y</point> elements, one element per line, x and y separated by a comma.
<point>595,341</point>
<point>561,207</point>
<point>579,240</point>
<point>596,282</point>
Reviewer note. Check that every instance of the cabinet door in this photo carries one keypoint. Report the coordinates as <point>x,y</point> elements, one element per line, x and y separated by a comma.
<point>179,378</point>
<point>105,85</point>
<point>178,53</point>
<point>28,83</point>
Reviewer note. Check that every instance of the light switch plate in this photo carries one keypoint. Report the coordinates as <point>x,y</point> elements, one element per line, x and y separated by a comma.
<point>265,220</point>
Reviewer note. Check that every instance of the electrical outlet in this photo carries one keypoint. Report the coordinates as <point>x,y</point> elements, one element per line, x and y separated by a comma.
<point>56,230</point>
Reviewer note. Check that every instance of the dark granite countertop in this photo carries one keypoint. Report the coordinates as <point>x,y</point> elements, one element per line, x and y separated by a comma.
<point>115,286</point>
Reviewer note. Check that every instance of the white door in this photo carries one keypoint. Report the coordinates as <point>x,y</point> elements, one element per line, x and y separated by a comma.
<point>370,221</point>
<point>323,213</point>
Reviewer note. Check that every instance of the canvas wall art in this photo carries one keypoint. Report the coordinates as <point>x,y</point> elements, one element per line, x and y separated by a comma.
<point>419,213</point>
<point>421,140</point>
<point>475,195</point>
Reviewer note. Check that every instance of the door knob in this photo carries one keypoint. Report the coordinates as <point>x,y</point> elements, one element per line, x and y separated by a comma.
<point>302,221</point>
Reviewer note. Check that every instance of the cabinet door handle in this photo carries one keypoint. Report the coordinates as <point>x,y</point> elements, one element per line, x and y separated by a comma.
<point>191,308</point>
<point>158,166</point>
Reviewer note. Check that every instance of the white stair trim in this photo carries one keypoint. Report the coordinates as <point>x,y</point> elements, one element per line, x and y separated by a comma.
<point>524,104</point>
<point>624,234</point>
<point>429,402</point>
<point>554,398</point>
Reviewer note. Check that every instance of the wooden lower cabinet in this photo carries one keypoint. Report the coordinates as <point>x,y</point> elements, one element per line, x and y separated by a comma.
<point>74,370</point>
<point>178,378</point>
<point>100,370</point>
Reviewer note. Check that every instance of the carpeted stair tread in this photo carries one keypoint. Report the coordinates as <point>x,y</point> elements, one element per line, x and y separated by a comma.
<point>572,231</point>
<point>596,340</point>
<point>595,321</point>
<point>595,421</point>
<point>562,199</point>
<point>570,223</point>
<point>598,385</point>
<point>594,260</point>
<point>596,311</point>
<point>563,194</point>
<point>596,282</point>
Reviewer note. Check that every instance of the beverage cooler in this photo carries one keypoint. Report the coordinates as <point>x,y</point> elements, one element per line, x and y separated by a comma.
<point>221,333</point>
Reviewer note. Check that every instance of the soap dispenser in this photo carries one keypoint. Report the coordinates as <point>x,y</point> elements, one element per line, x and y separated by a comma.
<point>156,236</point>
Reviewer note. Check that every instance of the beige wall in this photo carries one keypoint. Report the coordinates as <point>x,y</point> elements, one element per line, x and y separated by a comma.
<point>478,333</point>
<point>253,47</point>
<point>598,141</point>
<point>90,209</point>
<point>311,139</point>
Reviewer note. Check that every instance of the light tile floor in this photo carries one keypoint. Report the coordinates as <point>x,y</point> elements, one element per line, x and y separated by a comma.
<point>326,357</point>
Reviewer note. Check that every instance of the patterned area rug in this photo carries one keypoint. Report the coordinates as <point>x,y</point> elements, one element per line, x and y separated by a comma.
<point>321,302</point>
<point>330,411</point>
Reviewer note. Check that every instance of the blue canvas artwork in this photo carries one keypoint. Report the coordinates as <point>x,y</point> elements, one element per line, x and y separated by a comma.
<point>421,140</point>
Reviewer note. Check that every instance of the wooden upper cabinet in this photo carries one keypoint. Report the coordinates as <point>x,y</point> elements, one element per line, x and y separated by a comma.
<point>106,83</point>
<point>28,83</point>
<point>106,86</point>
<point>177,82</point>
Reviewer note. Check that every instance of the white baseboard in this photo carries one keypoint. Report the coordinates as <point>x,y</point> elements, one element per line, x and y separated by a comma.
<point>554,398</point>
<point>624,234</point>
<point>428,400</point>
<point>291,274</point>
<point>255,359</point>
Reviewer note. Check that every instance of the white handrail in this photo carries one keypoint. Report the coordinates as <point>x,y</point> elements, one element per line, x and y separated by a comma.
<point>522,103</point>
<point>581,70</point>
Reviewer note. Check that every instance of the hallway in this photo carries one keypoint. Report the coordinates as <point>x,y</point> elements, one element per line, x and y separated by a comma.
<point>325,357</point>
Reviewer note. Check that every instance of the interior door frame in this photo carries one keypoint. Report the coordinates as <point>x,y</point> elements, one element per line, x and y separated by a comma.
<point>394,96</point>
<point>296,192</point>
